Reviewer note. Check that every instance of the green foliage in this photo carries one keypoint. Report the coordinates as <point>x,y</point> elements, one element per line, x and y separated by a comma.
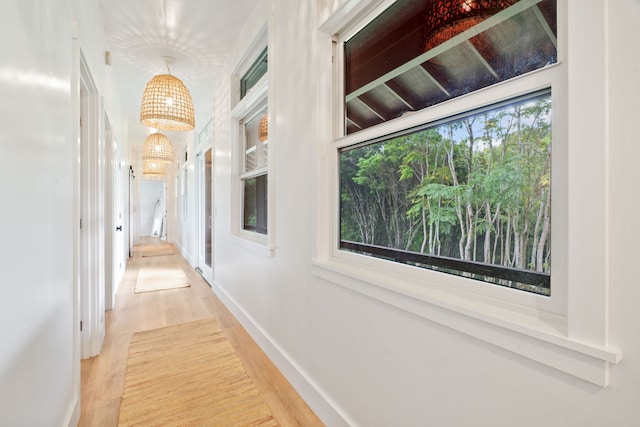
<point>471,188</point>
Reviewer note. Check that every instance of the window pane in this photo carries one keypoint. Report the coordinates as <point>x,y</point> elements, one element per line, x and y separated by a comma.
<point>257,70</point>
<point>475,188</point>
<point>208,163</point>
<point>420,53</point>
<point>256,142</point>
<point>255,204</point>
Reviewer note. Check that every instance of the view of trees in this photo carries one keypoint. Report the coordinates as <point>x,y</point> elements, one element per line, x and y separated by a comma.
<point>476,189</point>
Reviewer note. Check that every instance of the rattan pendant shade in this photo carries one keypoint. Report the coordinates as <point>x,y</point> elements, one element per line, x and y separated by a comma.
<point>157,148</point>
<point>167,104</point>
<point>153,168</point>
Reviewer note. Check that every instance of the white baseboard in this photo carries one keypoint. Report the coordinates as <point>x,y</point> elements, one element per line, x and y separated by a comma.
<point>184,254</point>
<point>73,414</point>
<point>313,395</point>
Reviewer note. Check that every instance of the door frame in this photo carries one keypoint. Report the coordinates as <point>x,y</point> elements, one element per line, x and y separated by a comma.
<point>205,221</point>
<point>109,218</point>
<point>115,260</point>
<point>89,203</point>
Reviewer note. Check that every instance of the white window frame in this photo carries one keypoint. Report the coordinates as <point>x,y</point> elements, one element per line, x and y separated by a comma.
<point>258,171</point>
<point>254,101</point>
<point>567,330</point>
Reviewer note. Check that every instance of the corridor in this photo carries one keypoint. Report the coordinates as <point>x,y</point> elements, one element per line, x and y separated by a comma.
<point>103,376</point>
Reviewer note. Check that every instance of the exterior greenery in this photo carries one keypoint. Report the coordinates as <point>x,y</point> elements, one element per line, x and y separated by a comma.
<point>476,188</point>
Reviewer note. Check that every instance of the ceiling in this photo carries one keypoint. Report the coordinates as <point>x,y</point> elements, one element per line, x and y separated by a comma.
<point>197,33</point>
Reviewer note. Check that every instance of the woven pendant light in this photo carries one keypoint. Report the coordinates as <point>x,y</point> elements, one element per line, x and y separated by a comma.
<point>153,168</point>
<point>166,103</point>
<point>157,148</point>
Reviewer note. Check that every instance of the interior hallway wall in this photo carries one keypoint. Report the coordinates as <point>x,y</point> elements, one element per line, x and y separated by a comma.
<point>36,171</point>
<point>361,362</point>
<point>36,247</point>
<point>39,357</point>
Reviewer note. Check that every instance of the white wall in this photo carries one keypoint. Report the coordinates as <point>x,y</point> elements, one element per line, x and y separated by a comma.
<point>39,339</point>
<point>36,248</point>
<point>361,362</point>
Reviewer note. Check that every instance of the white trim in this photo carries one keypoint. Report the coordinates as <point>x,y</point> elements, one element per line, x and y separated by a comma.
<point>207,270</point>
<point>263,170</point>
<point>73,413</point>
<point>92,206</point>
<point>251,54</point>
<point>318,400</point>
<point>512,330</point>
<point>551,77</point>
<point>77,214</point>
<point>252,102</point>
<point>334,22</point>
<point>255,242</point>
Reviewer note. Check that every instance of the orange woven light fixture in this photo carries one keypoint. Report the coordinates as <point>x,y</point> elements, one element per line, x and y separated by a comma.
<point>157,148</point>
<point>446,19</point>
<point>263,128</point>
<point>153,168</point>
<point>167,103</point>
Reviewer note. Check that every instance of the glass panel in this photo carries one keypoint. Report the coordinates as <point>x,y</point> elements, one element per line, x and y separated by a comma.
<point>419,53</point>
<point>207,207</point>
<point>256,142</point>
<point>257,70</point>
<point>255,204</point>
<point>475,188</point>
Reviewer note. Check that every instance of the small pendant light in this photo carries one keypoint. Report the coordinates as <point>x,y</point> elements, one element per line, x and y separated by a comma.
<point>157,148</point>
<point>153,168</point>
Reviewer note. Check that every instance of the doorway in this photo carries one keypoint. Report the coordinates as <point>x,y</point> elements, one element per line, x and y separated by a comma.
<point>115,261</point>
<point>152,220</point>
<point>205,220</point>
<point>91,204</point>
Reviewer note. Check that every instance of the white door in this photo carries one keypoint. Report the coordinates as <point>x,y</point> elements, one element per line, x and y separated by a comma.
<point>119,215</point>
<point>114,219</point>
<point>205,220</point>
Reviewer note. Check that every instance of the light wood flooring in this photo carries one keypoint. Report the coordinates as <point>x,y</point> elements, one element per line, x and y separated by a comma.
<point>103,376</point>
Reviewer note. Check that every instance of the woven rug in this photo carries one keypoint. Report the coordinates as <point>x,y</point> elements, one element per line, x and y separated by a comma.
<point>160,278</point>
<point>189,375</point>
<point>157,250</point>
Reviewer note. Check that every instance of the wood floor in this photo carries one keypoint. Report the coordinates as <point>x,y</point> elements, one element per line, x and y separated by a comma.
<point>103,376</point>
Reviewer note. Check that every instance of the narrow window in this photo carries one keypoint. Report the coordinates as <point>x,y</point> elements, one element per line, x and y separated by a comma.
<point>254,173</point>
<point>258,69</point>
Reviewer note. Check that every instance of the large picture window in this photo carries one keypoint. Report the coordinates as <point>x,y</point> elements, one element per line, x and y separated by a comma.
<point>465,193</point>
<point>468,196</point>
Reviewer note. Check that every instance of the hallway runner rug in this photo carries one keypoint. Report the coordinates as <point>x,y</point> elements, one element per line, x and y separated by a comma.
<point>160,278</point>
<point>189,375</point>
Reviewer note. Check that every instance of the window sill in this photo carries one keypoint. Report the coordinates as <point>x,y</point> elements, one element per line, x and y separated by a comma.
<point>520,332</point>
<point>255,242</point>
